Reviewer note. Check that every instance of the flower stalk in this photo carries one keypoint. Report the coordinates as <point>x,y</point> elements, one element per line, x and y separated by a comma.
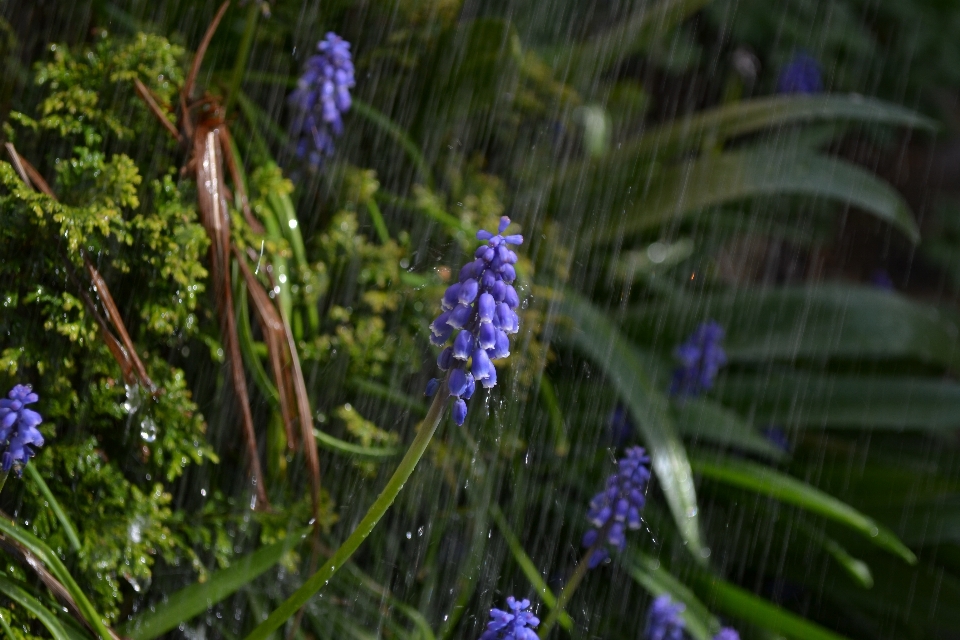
<point>383,502</point>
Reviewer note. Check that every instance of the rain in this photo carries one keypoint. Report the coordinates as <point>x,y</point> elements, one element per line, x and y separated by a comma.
<point>448,319</point>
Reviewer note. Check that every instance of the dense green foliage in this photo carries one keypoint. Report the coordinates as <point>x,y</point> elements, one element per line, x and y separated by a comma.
<point>657,186</point>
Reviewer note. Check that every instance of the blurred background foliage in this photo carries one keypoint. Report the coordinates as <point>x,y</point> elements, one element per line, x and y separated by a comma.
<point>659,181</point>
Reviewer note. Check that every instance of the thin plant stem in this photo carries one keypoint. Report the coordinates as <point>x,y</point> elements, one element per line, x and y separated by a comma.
<point>567,593</point>
<point>383,502</point>
<point>571,586</point>
<point>3,479</point>
<point>243,53</point>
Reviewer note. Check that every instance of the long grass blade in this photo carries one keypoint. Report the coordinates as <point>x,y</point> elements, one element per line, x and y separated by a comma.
<point>340,557</point>
<point>678,192</point>
<point>68,528</point>
<point>743,605</point>
<point>526,565</point>
<point>764,480</point>
<point>593,334</point>
<point>739,118</point>
<point>198,597</point>
<point>652,576</point>
<point>47,618</point>
<point>58,579</point>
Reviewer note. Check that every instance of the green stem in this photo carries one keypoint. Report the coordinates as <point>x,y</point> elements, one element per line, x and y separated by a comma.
<point>570,587</point>
<point>378,222</point>
<point>65,522</point>
<point>240,64</point>
<point>527,566</point>
<point>319,579</point>
<point>399,136</point>
<point>3,479</point>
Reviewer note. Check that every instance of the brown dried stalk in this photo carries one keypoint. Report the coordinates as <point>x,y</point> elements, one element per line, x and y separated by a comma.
<point>215,219</point>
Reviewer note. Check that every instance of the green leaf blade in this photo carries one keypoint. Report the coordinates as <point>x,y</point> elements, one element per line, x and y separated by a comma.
<point>623,365</point>
<point>198,597</point>
<point>767,481</point>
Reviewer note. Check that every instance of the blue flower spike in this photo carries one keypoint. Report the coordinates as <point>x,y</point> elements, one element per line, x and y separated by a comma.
<point>18,427</point>
<point>617,508</point>
<point>515,624</point>
<point>321,98</point>
<point>663,620</point>
<point>700,357</point>
<point>727,634</point>
<point>478,312</point>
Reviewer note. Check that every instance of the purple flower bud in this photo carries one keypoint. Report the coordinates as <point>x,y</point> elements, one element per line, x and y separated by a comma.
<point>459,412</point>
<point>502,348</point>
<point>471,270</point>
<point>445,359</point>
<point>491,380</point>
<point>459,316</point>
<point>464,345</point>
<point>510,297</point>
<point>508,272</point>
<point>468,291</point>
<point>499,291</point>
<point>504,223</point>
<point>515,239</point>
<point>486,308</point>
<point>440,325</point>
<point>483,235</point>
<point>450,297</point>
<point>481,366</point>
<point>471,387</point>
<point>487,336</point>
<point>432,386</point>
<point>488,280</point>
<point>509,322</point>
<point>438,340</point>
<point>458,382</point>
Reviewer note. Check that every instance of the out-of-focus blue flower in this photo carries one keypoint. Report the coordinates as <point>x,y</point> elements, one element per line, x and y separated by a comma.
<point>776,436</point>
<point>617,508</point>
<point>18,427</point>
<point>481,308</point>
<point>516,624</point>
<point>621,426</point>
<point>800,75</point>
<point>727,634</point>
<point>321,98</point>
<point>882,280</point>
<point>701,357</point>
<point>663,620</point>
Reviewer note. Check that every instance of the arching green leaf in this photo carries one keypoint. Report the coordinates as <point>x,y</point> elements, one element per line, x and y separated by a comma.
<point>599,339</point>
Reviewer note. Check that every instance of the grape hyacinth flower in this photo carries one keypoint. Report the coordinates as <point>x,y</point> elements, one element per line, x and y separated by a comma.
<point>481,309</point>
<point>727,634</point>
<point>618,506</point>
<point>663,620</point>
<point>800,75</point>
<point>517,624</point>
<point>18,427</point>
<point>321,98</point>
<point>701,357</point>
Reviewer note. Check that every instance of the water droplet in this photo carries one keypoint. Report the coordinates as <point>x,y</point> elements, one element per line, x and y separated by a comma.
<point>292,224</point>
<point>148,429</point>
<point>133,398</point>
<point>409,535</point>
